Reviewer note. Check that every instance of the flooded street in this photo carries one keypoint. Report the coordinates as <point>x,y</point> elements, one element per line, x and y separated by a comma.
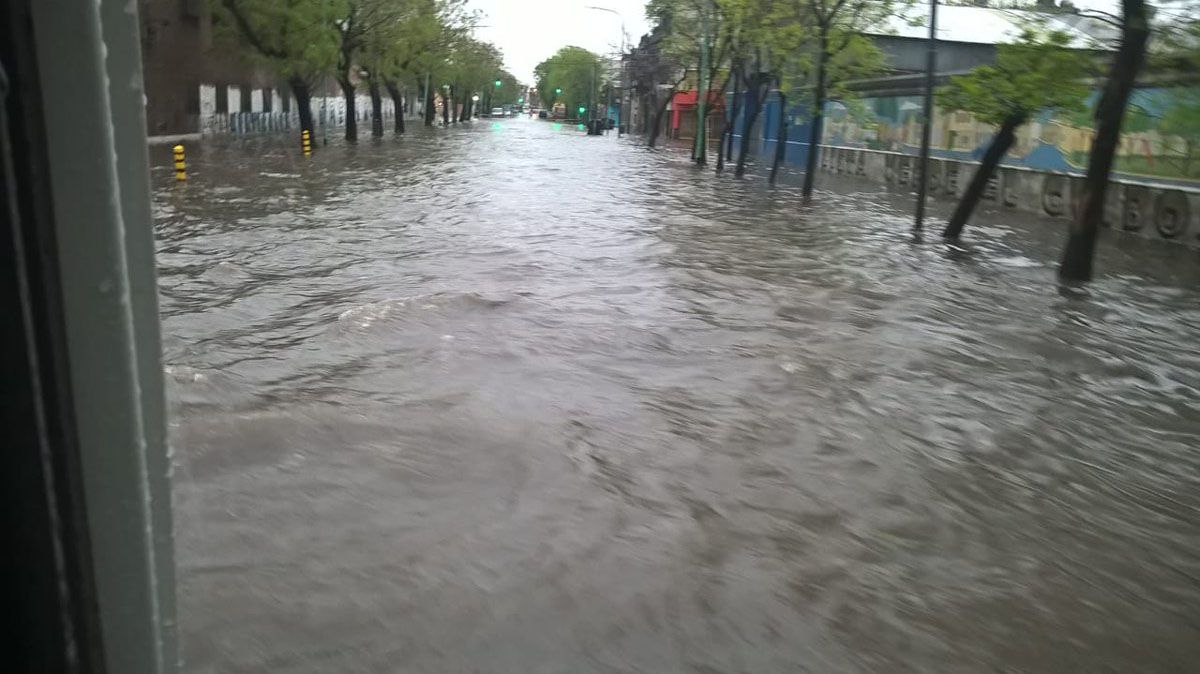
<point>510,399</point>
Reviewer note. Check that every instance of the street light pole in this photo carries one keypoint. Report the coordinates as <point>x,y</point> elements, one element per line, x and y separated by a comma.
<point>621,98</point>
<point>927,128</point>
<point>592,98</point>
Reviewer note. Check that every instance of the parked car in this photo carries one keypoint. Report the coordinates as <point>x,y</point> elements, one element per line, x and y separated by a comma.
<point>497,112</point>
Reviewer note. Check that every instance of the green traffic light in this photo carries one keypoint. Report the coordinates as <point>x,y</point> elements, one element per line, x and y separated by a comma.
<point>558,91</point>
<point>499,84</point>
<point>582,109</point>
<point>520,100</point>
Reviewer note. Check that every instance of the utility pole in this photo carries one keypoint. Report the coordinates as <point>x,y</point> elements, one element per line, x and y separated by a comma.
<point>701,155</point>
<point>622,119</point>
<point>592,97</point>
<point>927,128</point>
<point>621,95</point>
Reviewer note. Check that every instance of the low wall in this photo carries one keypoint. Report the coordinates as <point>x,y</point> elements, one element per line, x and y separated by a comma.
<point>327,111</point>
<point>1153,209</point>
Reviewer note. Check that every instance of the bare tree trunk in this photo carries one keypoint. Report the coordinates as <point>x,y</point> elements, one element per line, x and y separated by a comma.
<point>781,136</point>
<point>818,118</point>
<point>1001,142</point>
<point>397,103</point>
<point>446,108</point>
<point>430,109</point>
<point>303,96</point>
<point>701,151</point>
<point>658,119</point>
<point>753,110</point>
<point>376,107</point>
<point>465,113</point>
<point>662,110</point>
<point>351,108</point>
<point>730,118</point>
<point>1110,111</point>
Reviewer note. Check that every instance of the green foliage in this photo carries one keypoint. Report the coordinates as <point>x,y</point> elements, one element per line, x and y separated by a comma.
<point>575,70</point>
<point>1183,117</point>
<point>1181,128</point>
<point>857,57</point>
<point>404,30</point>
<point>837,30</point>
<point>385,39</point>
<point>1037,72</point>
<point>681,38</point>
<point>473,68</point>
<point>292,37</point>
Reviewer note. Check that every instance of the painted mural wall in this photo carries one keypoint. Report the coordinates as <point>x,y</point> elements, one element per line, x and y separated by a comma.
<point>1161,140</point>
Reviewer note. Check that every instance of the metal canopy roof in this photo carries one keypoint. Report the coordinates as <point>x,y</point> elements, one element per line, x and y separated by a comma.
<point>985,25</point>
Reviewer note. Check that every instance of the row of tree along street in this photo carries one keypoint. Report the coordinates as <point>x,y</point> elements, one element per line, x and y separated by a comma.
<point>385,45</point>
<point>807,51</point>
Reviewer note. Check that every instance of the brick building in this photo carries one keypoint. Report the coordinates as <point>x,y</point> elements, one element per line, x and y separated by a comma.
<point>179,53</point>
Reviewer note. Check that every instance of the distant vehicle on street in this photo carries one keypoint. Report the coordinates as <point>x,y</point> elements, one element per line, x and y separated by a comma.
<point>497,112</point>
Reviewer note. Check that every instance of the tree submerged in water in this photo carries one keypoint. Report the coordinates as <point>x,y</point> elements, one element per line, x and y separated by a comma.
<point>379,43</point>
<point>1037,73</point>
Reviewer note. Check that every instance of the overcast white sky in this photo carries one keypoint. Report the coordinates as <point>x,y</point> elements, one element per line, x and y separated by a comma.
<point>530,31</point>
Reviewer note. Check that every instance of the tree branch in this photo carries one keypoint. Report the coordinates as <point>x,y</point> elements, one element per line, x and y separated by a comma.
<point>248,32</point>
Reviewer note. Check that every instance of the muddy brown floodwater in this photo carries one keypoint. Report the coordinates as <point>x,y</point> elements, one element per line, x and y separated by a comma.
<point>510,399</point>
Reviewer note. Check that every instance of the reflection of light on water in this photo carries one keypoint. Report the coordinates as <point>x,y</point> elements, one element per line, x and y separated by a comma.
<point>496,126</point>
<point>581,127</point>
<point>557,126</point>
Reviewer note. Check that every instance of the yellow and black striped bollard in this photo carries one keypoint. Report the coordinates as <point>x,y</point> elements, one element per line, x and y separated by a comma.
<point>306,142</point>
<point>180,165</point>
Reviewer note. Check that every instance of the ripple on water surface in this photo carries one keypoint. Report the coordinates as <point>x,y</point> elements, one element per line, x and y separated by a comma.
<point>518,400</point>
